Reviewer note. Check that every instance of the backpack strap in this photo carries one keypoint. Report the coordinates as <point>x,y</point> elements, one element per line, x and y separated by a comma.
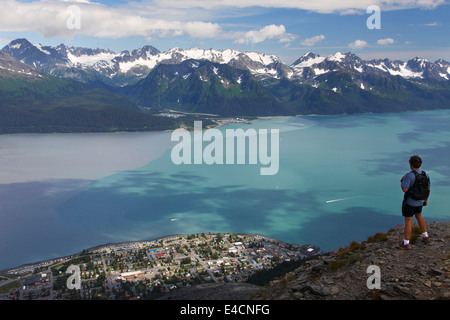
<point>406,194</point>
<point>416,174</point>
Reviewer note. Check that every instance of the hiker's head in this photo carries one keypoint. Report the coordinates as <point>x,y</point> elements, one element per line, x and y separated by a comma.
<point>415,162</point>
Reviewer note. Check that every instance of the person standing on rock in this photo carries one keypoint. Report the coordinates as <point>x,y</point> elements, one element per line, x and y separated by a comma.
<point>416,186</point>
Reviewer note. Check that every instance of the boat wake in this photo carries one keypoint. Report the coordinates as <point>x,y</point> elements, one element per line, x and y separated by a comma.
<point>337,200</point>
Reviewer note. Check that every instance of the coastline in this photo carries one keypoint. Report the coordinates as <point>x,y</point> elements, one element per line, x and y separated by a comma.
<point>26,267</point>
<point>97,247</point>
<point>220,123</point>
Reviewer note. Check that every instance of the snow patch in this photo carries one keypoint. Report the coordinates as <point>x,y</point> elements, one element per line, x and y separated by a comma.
<point>402,70</point>
<point>15,46</point>
<point>336,57</point>
<point>91,60</point>
<point>310,62</point>
<point>127,66</point>
<point>318,72</point>
<point>40,48</point>
<point>272,72</point>
<point>21,72</point>
<point>405,72</point>
<point>262,58</point>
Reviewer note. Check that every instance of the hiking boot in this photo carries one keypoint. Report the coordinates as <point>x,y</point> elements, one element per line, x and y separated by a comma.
<point>426,240</point>
<point>405,246</point>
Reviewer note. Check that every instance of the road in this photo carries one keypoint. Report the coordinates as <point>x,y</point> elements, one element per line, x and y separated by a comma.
<point>108,278</point>
<point>204,265</point>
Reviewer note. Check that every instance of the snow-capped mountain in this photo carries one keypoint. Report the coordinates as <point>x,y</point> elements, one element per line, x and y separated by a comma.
<point>44,58</point>
<point>105,67</point>
<point>10,66</point>
<point>205,87</point>
<point>260,65</point>
<point>128,67</point>
<point>311,65</point>
<point>224,82</point>
<point>307,67</point>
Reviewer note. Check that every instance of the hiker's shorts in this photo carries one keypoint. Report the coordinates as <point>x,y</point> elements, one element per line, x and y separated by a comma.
<point>410,211</point>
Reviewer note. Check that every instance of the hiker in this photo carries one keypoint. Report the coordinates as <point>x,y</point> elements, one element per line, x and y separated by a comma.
<point>416,186</point>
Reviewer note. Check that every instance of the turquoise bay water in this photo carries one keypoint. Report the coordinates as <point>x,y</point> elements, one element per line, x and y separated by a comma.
<point>338,181</point>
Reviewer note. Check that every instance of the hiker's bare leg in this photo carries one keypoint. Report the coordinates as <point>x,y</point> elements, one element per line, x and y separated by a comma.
<point>421,222</point>
<point>408,227</point>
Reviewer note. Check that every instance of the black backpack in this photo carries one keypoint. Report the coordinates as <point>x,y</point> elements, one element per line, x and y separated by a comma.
<point>420,190</point>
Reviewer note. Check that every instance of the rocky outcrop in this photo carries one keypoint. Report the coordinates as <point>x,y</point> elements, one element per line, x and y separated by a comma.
<point>422,273</point>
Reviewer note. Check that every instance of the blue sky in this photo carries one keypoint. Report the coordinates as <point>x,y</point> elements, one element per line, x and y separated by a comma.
<point>287,28</point>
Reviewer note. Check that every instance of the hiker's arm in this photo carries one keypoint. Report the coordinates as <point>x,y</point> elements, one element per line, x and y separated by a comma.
<point>404,183</point>
<point>403,189</point>
<point>425,202</point>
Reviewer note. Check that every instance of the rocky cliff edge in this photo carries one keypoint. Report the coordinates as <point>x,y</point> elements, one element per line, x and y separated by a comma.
<point>354,272</point>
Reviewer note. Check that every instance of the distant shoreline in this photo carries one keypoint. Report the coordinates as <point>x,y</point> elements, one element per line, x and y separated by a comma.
<point>97,247</point>
<point>218,124</point>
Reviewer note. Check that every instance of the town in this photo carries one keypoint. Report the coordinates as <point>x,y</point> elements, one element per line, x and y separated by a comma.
<point>150,269</point>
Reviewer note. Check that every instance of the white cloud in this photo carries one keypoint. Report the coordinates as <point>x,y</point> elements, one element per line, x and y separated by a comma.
<point>49,18</point>
<point>168,18</point>
<point>322,6</point>
<point>432,24</point>
<point>268,32</point>
<point>287,38</point>
<point>313,40</point>
<point>385,42</point>
<point>358,44</point>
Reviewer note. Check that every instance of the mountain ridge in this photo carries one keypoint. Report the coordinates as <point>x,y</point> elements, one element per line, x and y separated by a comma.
<point>127,66</point>
<point>203,87</point>
<point>33,101</point>
<point>234,83</point>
